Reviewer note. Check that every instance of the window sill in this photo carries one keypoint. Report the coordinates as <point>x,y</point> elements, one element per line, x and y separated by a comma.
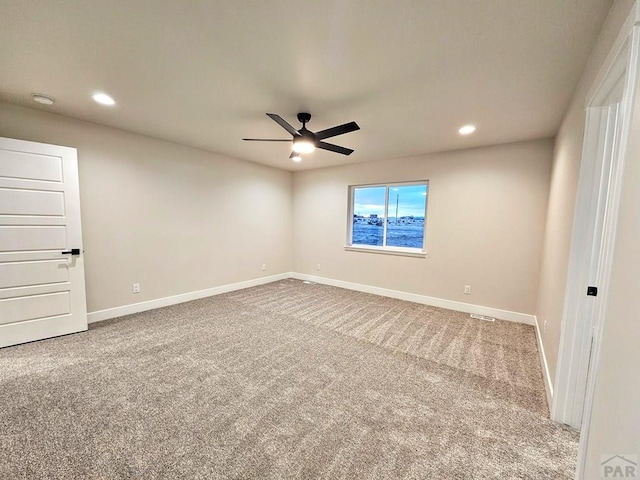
<point>404,252</point>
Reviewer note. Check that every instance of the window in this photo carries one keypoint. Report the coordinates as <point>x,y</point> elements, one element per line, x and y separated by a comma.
<point>388,218</point>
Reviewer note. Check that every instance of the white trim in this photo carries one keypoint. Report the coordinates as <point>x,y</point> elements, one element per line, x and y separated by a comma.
<point>579,342</point>
<point>100,315</point>
<point>628,102</point>
<point>588,236</point>
<point>510,316</point>
<point>548,386</point>
<point>611,71</point>
<point>413,252</point>
<point>404,252</point>
<point>414,297</point>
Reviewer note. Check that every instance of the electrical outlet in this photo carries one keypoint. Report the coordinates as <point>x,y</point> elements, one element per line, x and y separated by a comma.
<point>136,288</point>
<point>467,289</point>
<point>318,266</point>
<point>264,267</point>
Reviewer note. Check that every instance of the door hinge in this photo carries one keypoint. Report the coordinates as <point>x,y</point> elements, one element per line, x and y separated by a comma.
<point>592,291</point>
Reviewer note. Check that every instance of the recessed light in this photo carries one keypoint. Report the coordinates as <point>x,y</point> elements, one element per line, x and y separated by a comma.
<point>103,99</point>
<point>296,158</point>
<point>467,129</point>
<point>43,99</point>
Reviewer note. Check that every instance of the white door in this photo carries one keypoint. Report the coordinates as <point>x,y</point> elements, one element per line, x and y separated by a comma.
<point>41,275</point>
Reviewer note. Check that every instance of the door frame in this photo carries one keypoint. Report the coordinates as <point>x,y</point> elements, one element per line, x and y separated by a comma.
<point>580,342</point>
<point>587,249</point>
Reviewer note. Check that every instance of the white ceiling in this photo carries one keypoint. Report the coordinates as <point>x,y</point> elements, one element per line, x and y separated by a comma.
<point>204,73</point>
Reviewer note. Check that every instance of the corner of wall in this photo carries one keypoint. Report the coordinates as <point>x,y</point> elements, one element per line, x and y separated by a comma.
<point>544,365</point>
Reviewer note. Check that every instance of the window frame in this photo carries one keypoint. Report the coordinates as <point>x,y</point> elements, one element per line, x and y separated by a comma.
<point>385,249</point>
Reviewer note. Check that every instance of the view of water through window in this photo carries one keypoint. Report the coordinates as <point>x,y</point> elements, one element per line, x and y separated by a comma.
<point>405,215</point>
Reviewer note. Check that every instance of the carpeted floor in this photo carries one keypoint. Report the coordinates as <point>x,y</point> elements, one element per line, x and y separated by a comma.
<point>285,380</point>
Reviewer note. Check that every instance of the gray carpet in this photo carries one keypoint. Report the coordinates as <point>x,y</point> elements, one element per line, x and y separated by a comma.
<point>284,380</point>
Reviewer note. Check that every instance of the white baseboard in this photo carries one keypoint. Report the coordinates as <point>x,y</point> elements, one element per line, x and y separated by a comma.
<point>548,386</point>
<point>183,297</point>
<point>414,297</point>
<point>385,292</point>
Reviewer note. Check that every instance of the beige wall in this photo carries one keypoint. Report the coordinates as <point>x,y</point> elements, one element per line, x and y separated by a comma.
<point>485,223</point>
<point>562,195</point>
<point>173,218</point>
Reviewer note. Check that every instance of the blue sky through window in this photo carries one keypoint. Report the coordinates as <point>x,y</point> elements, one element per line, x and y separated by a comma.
<point>409,198</point>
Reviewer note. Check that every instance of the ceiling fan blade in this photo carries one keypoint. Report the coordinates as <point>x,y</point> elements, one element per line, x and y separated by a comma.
<point>334,148</point>
<point>266,140</point>
<point>339,130</point>
<point>283,123</point>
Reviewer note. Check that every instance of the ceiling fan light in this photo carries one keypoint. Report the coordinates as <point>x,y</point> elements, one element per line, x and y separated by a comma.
<point>303,146</point>
<point>296,158</point>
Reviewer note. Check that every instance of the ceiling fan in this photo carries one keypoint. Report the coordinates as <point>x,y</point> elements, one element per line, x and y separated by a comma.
<point>305,141</point>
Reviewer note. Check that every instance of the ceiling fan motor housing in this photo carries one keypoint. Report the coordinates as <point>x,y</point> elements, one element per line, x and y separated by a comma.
<point>305,135</point>
<point>304,117</point>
